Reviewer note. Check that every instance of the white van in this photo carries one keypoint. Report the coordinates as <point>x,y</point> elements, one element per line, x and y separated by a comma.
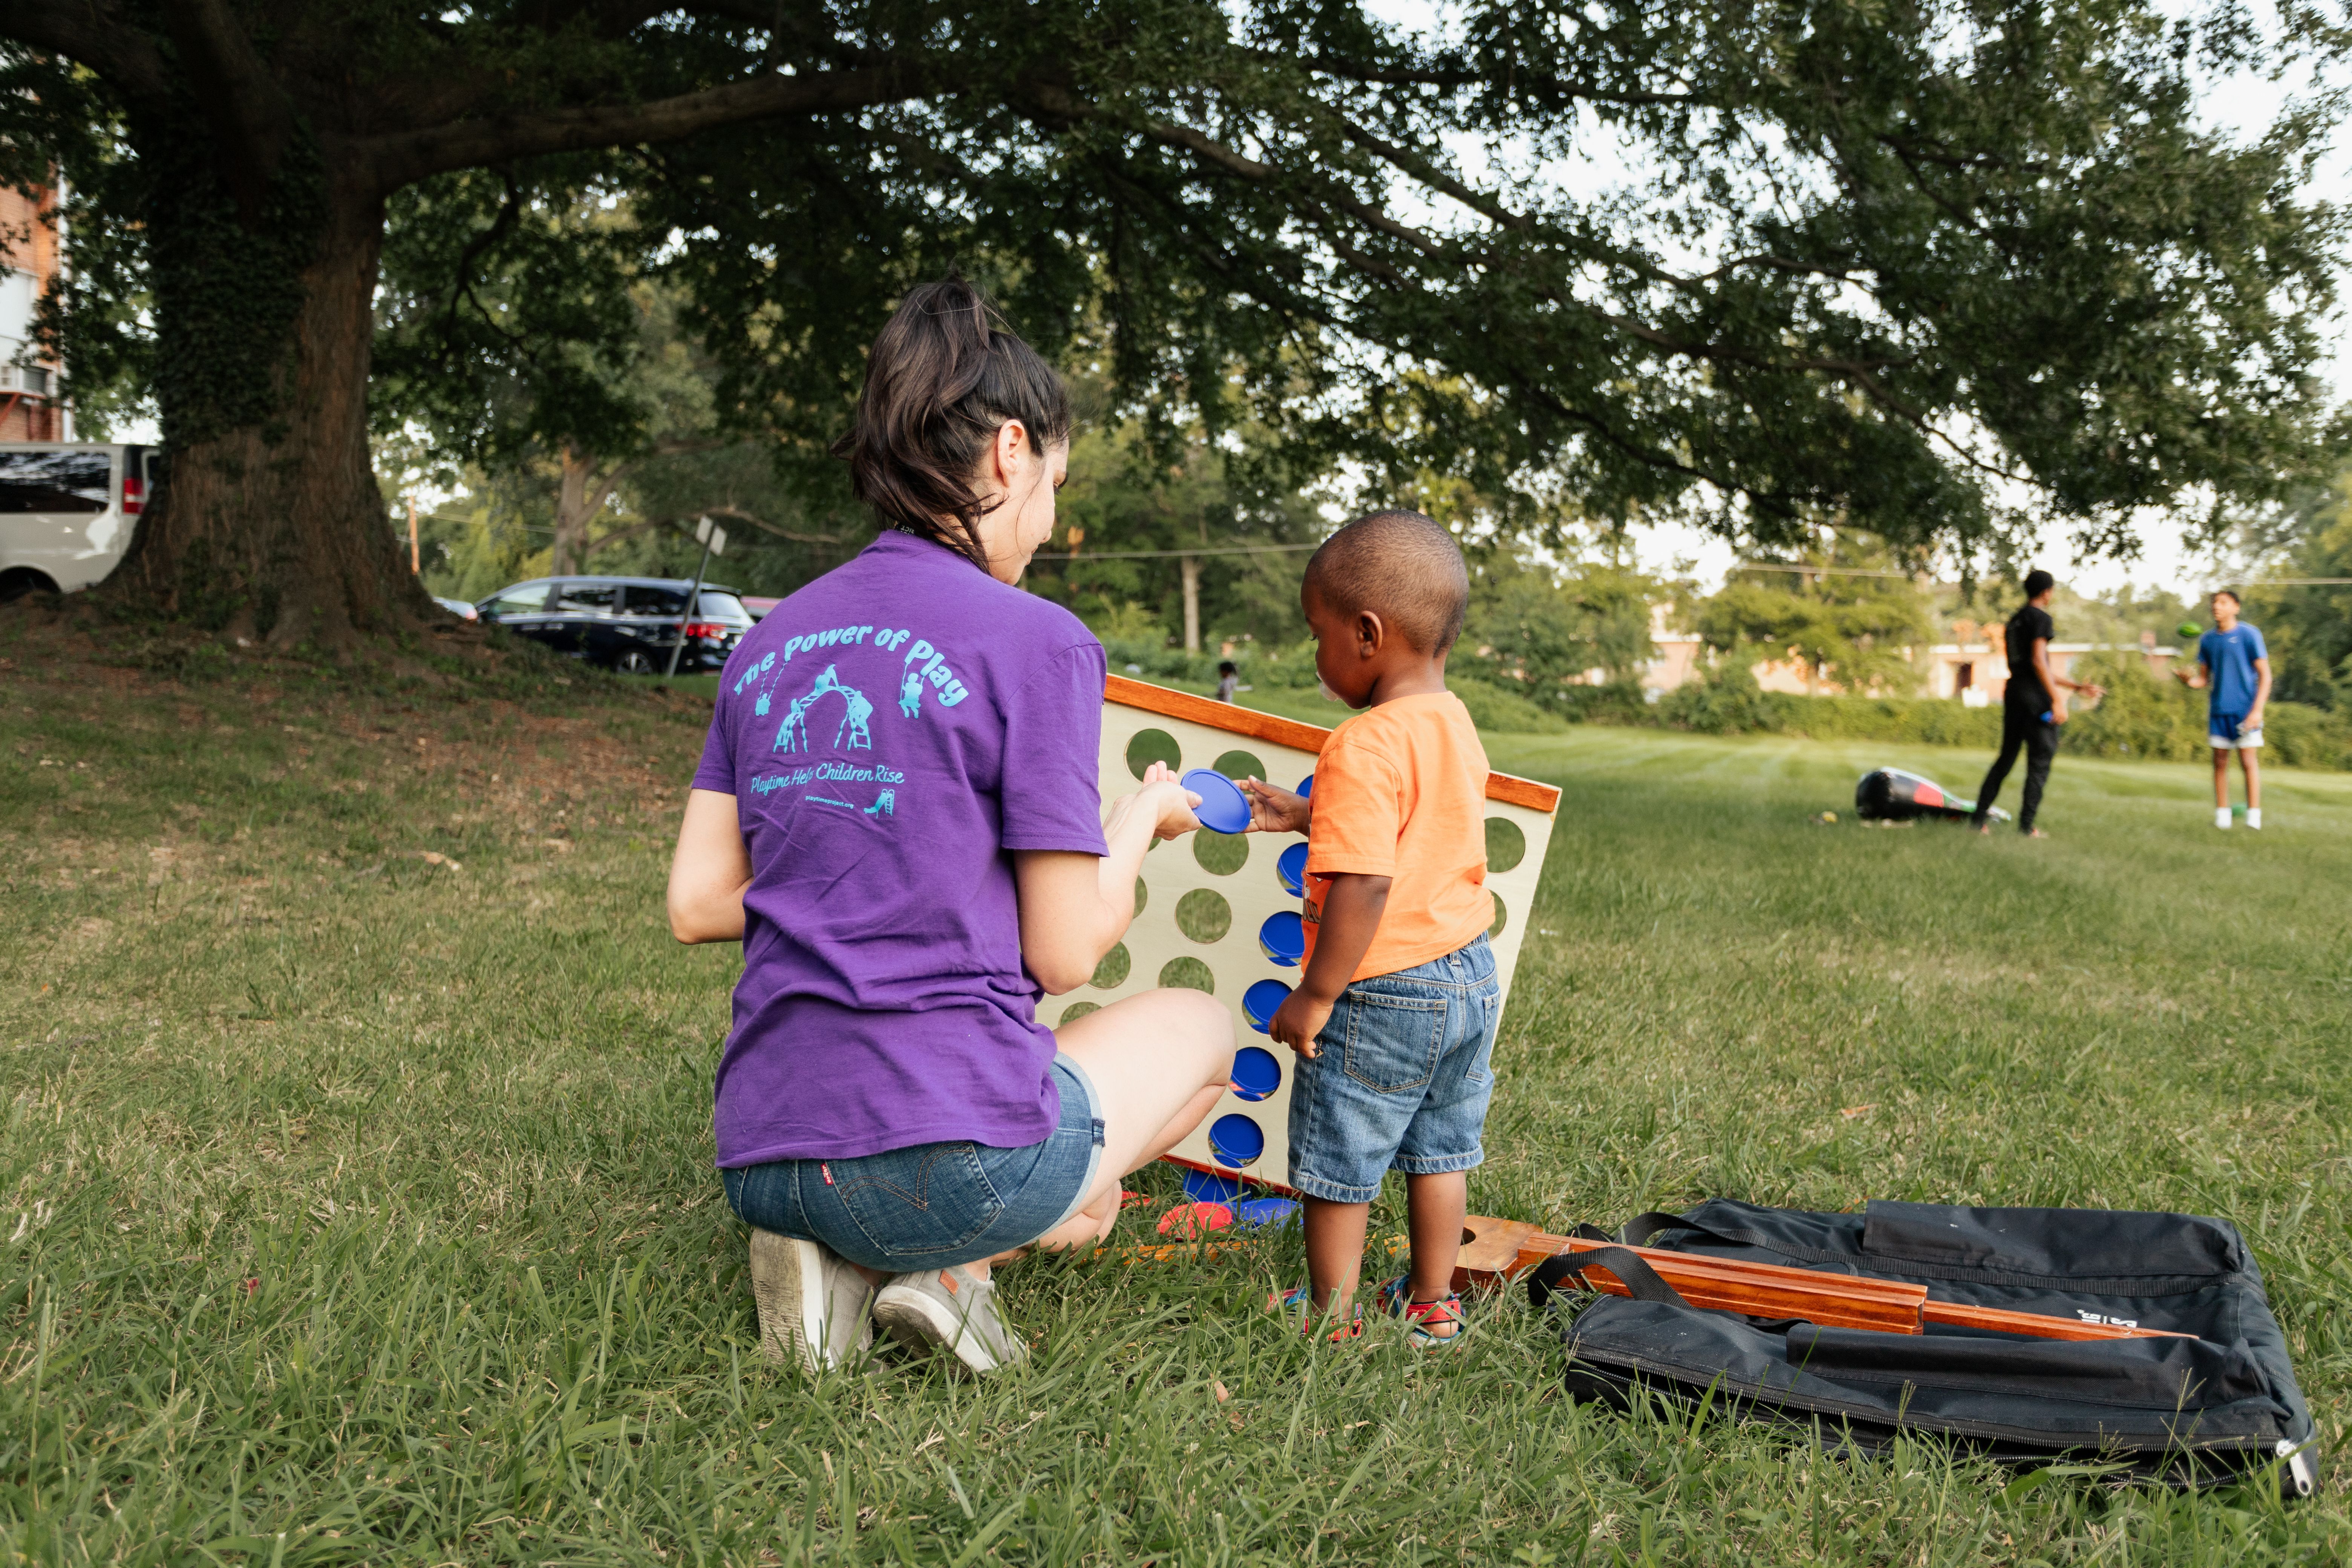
<point>67,509</point>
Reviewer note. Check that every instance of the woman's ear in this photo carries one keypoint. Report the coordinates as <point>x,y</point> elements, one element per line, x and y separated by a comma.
<point>1010,450</point>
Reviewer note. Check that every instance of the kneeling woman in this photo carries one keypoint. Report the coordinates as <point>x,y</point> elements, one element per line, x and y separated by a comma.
<point>897,815</point>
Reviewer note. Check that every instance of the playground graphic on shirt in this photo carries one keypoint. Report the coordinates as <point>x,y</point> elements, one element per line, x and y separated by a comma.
<point>852,733</point>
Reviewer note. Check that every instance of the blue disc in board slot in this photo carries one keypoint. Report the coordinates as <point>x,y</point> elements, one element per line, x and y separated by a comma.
<point>1236,1141</point>
<point>1224,808</point>
<point>1258,1006</point>
<point>1290,865</point>
<point>1255,1073</point>
<point>1282,939</point>
<point>1307,787</point>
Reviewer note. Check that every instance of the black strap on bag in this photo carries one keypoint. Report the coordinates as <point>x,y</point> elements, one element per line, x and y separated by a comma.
<point>1643,1227</point>
<point>1640,1281</point>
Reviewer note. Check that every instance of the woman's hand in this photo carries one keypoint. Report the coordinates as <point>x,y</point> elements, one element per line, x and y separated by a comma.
<point>1163,801</point>
<point>1275,810</point>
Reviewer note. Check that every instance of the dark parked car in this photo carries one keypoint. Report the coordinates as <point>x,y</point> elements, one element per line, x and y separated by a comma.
<point>626,624</point>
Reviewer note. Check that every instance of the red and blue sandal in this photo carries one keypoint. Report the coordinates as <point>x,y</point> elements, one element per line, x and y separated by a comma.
<point>1296,1303</point>
<point>1425,1317</point>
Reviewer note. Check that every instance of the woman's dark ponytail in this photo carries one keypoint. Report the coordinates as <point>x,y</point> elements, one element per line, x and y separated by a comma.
<point>942,379</point>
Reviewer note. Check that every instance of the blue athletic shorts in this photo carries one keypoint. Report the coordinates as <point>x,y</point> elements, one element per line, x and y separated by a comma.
<point>2226,732</point>
<point>933,1205</point>
<point>1402,1079</point>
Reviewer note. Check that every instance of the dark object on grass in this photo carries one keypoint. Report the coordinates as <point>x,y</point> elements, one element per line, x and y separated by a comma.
<point>2185,1412</point>
<point>1891,795</point>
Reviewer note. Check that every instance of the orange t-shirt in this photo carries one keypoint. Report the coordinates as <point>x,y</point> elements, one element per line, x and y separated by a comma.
<point>1401,791</point>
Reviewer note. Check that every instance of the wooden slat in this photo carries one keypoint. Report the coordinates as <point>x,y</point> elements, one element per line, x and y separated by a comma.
<point>1499,1249</point>
<point>1954,1314</point>
<point>1301,737</point>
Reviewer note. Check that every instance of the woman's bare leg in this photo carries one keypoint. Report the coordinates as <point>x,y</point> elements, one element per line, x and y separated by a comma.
<point>1160,1063</point>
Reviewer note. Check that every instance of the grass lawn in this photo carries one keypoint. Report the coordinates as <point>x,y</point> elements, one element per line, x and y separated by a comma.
<point>356,1192</point>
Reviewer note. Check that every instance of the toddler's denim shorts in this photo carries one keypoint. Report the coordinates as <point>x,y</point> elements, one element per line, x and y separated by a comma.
<point>932,1205</point>
<point>1402,1079</point>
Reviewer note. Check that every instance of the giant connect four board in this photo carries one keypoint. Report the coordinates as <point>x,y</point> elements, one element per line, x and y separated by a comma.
<point>1220,914</point>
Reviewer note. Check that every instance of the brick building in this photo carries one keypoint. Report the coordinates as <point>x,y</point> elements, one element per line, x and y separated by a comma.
<point>30,406</point>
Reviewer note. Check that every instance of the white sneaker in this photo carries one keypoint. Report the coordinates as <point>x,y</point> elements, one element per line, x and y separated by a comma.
<point>2254,817</point>
<point>812,1304</point>
<point>2220,817</point>
<point>950,1308</point>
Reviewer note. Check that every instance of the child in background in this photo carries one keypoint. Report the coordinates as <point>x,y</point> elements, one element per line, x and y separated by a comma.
<point>1229,680</point>
<point>1393,1020</point>
<point>2232,662</point>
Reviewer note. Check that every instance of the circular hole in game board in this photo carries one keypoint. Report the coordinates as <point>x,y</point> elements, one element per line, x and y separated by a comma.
<point>1203,915</point>
<point>1290,869</point>
<point>1077,1010</point>
<point>1502,915</point>
<point>1262,1001</point>
<point>1505,844</point>
<point>1146,747</point>
<point>1235,1141</point>
<point>1188,974</point>
<point>1221,853</point>
<point>1239,765</point>
<point>1143,892</point>
<point>1255,1073</point>
<point>1111,973</point>
<point>1282,939</point>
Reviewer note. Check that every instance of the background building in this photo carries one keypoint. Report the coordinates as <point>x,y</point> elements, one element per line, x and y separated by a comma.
<point>30,406</point>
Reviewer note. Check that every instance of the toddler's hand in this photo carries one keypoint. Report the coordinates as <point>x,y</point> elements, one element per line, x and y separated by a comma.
<point>1297,1021</point>
<point>1275,810</point>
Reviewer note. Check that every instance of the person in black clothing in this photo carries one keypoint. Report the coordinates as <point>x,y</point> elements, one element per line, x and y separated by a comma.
<point>2032,708</point>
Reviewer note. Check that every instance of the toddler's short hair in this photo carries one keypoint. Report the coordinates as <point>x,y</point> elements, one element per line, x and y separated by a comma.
<point>1404,568</point>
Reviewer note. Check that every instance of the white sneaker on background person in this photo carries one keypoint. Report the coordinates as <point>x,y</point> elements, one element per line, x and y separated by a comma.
<point>952,1309</point>
<point>812,1304</point>
<point>2220,817</point>
<point>2254,816</point>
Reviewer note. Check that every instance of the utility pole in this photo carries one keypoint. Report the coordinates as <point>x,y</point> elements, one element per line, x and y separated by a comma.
<point>416,562</point>
<point>1189,566</point>
<point>714,542</point>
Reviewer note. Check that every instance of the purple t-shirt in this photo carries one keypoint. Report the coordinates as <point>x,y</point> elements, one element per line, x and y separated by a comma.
<point>891,734</point>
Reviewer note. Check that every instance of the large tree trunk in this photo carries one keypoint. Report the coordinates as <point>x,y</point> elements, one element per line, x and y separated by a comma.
<point>580,493</point>
<point>269,524</point>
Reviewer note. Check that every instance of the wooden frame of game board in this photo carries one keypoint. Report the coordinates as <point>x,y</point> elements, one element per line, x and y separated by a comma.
<point>1525,803</point>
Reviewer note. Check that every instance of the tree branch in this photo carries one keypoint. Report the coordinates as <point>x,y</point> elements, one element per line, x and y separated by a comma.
<point>93,33</point>
<point>402,159</point>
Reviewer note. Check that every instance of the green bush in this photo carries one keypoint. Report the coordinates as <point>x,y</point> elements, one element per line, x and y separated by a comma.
<point>1724,700</point>
<point>1493,707</point>
<point>2142,715</point>
<point>2301,736</point>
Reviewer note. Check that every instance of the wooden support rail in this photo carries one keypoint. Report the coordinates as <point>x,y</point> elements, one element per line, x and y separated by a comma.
<point>1494,1250</point>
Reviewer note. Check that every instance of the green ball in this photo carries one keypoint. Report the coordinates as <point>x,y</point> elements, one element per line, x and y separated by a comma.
<point>2191,630</point>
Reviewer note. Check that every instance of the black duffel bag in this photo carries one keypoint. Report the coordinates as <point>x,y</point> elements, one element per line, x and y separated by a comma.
<point>2188,1411</point>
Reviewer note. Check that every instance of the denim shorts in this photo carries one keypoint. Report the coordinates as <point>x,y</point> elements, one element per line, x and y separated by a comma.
<point>932,1205</point>
<point>1402,1079</point>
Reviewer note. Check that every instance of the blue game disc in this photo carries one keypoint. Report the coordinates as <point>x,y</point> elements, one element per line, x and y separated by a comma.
<point>1290,865</point>
<point>1306,787</point>
<point>1255,1073</point>
<point>1282,939</point>
<point>1224,808</point>
<point>1204,1187</point>
<point>1235,1140</point>
<point>1252,1214</point>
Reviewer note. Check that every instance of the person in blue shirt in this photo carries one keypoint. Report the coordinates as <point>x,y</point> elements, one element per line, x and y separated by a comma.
<point>2234,666</point>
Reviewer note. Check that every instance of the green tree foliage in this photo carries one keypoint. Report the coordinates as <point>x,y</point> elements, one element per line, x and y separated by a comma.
<point>1852,621</point>
<point>1533,622</point>
<point>1866,262</point>
<point>2308,626</point>
<point>1137,505</point>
